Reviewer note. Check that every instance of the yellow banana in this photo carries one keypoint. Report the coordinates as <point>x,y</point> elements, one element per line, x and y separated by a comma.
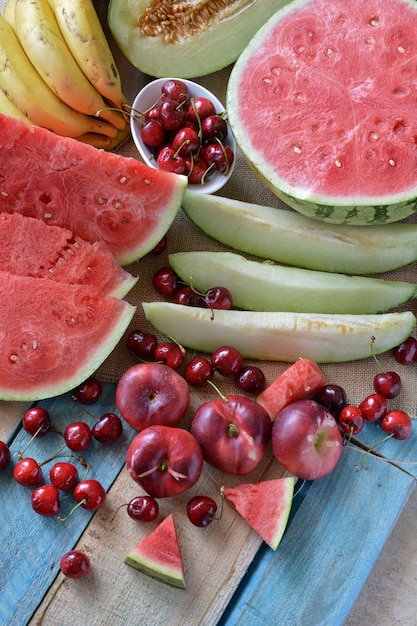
<point>105,143</point>
<point>28,92</point>
<point>8,11</point>
<point>8,108</point>
<point>82,30</point>
<point>41,39</point>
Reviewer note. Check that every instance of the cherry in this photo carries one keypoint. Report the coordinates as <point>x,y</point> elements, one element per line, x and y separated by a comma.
<point>373,407</point>
<point>201,510</point>
<point>154,112</point>
<point>218,298</point>
<point>170,353</point>
<point>36,421</point>
<point>388,384</point>
<point>75,564</point>
<point>333,397</point>
<point>188,297</point>
<point>4,455</point>
<point>170,161</point>
<point>143,508</point>
<point>219,156</point>
<point>251,379</point>
<point>78,436</point>
<point>152,133</point>
<point>198,372</point>
<point>199,108</point>
<point>186,140</point>
<point>227,360</point>
<point>63,475</point>
<point>397,423</point>
<point>175,89</point>
<point>171,115</point>
<point>214,127</point>
<point>108,428</point>
<point>90,494</point>
<point>160,247</point>
<point>45,500</point>
<point>351,420</point>
<point>165,281</point>
<point>197,169</point>
<point>142,345</point>
<point>406,352</point>
<point>88,392</point>
<point>27,472</point>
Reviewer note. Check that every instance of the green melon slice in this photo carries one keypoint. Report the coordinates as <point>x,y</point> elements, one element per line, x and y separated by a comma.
<point>29,247</point>
<point>194,38</point>
<point>158,555</point>
<point>98,195</point>
<point>322,104</point>
<point>265,506</point>
<point>268,287</point>
<point>291,238</point>
<point>54,335</point>
<point>281,336</point>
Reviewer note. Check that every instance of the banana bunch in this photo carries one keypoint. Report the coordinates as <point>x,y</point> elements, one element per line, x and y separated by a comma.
<point>57,71</point>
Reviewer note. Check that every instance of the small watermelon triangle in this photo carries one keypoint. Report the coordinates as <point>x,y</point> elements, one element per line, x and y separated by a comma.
<point>265,506</point>
<point>158,555</point>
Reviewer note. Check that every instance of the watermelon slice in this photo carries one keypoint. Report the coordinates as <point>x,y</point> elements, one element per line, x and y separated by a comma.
<point>98,195</point>
<point>158,555</point>
<point>322,104</point>
<point>265,506</point>
<point>54,335</point>
<point>29,247</point>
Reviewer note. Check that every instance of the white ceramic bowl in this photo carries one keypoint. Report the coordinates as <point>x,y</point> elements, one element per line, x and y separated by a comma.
<point>146,98</point>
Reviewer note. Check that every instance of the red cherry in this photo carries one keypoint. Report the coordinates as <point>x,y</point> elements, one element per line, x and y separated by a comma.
<point>388,384</point>
<point>351,420</point>
<point>90,494</point>
<point>78,436</point>
<point>27,472</point>
<point>198,371</point>
<point>227,360</point>
<point>406,352</point>
<point>333,397</point>
<point>142,345</point>
<point>75,564</point>
<point>160,247</point>
<point>108,428</point>
<point>186,140</point>
<point>63,475</point>
<point>88,392</point>
<point>165,281</point>
<point>175,89</point>
<point>4,455</point>
<point>170,353</point>
<point>214,127</point>
<point>169,161</point>
<point>143,508</point>
<point>251,379</point>
<point>218,298</point>
<point>152,133</point>
<point>171,115</point>
<point>199,108</point>
<point>373,407</point>
<point>196,170</point>
<point>188,297</point>
<point>219,156</point>
<point>397,423</point>
<point>36,421</point>
<point>45,500</point>
<point>201,510</point>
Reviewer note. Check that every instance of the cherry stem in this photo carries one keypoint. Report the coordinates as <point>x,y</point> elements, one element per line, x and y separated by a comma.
<point>49,602</point>
<point>223,397</point>
<point>373,353</point>
<point>85,410</point>
<point>21,452</point>
<point>74,508</point>
<point>55,456</point>
<point>375,446</point>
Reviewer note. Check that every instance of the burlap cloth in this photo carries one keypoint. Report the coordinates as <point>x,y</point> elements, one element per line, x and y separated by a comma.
<point>355,377</point>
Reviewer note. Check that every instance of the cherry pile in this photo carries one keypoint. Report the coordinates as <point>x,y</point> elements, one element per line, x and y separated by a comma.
<point>186,135</point>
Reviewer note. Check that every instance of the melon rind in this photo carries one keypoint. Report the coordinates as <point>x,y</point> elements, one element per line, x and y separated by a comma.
<point>336,209</point>
<point>205,52</point>
<point>282,336</point>
<point>144,557</point>
<point>265,506</point>
<point>289,237</point>
<point>264,286</point>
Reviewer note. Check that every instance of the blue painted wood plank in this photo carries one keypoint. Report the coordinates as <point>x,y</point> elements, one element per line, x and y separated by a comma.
<point>31,545</point>
<point>328,550</point>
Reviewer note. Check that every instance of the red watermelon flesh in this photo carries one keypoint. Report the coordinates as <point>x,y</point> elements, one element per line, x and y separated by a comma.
<point>158,555</point>
<point>98,195</point>
<point>29,247</point>
<point>265,506</point>
<point>54,335</point>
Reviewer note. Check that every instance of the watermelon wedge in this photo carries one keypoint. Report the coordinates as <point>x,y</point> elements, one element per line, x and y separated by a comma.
<point>158,555</point>
<point>322,104</point>
<point>29,247</point>
<point>265,506</point>
<point>54,335</point>
<point>98,195</point>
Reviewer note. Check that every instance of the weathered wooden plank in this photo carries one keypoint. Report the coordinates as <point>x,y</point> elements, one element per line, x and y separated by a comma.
<point>328,549</point>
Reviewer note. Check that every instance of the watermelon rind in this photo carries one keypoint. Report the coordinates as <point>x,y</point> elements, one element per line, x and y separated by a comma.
<point>54,335</point>
<point>289,237</point>
<point>266,286</point>
<point>265,506</point>
<point>282,336</point>
<point>158,555</point>
<point>294,87</point>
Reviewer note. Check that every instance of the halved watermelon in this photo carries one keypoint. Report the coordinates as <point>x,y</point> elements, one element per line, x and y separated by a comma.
<point>158,555</point>
<point>98,195</point>
<point>54,335</point>
<point>29,247</point>
<point>322,104</point>
<point>265,506</point>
